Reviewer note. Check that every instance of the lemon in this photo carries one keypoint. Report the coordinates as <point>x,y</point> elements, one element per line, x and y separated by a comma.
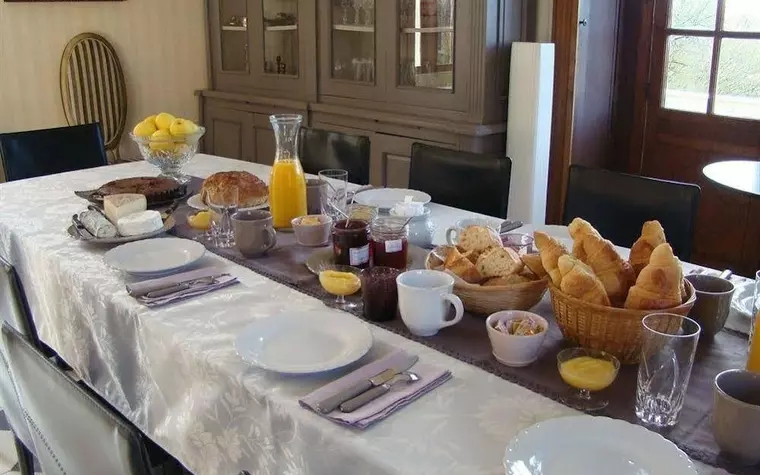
<point>200,220</point>
<point>161,141</point>
<point>152,120</point>
<point>145,129</point>
<point>182,127</point>
<point>164,121</point>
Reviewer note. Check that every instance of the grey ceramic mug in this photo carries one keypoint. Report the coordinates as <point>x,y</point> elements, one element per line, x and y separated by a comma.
<point>254,234</point>
<point>713,303</point>
<point>736,414</point>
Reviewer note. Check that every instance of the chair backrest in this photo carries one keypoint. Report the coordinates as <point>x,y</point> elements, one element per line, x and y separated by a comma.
<point>472,181</point>
<point>72,430</point>
<point>45,152</point>
<point>618,204</point>
<point>93,88</point>
<point>321,150</point>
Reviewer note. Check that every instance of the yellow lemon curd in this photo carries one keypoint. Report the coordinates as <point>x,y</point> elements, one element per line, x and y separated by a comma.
<point>339,283</point>
<point>200,220</point>
<point>585,372</point>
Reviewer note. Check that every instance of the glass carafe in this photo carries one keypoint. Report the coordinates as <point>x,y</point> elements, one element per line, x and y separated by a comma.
<point>287,184</point>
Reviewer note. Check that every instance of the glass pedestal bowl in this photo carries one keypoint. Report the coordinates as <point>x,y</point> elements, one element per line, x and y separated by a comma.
<point>171,154</point>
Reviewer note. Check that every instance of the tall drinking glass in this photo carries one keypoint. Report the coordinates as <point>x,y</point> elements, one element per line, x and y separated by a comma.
<point>224,203</point>
<point>667,355</point>
<point>334,194</point>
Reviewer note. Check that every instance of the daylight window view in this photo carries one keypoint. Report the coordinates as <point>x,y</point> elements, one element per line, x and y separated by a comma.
<point>713,58</point>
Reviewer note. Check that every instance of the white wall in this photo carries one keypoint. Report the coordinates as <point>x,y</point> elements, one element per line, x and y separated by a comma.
<point>161,45</point>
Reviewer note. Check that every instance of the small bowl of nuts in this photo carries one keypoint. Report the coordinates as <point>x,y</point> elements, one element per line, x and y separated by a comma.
<point>516,336</point>
<point>312,230</point>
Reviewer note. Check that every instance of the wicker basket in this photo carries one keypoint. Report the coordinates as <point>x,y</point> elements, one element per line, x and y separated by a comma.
<point>614,330</point>
<point>487,300</point>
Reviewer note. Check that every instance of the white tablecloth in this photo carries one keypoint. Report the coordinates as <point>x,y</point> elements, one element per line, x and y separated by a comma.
<point>175,374</point>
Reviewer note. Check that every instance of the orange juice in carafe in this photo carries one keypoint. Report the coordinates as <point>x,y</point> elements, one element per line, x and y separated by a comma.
<point>753,361</point>
<point>287,183</point>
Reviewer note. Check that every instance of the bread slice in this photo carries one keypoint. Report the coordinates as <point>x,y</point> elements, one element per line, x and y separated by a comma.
<point>462,267</point>
<point>506,281</point>
<point>499,262</point>
<point>478,238</point>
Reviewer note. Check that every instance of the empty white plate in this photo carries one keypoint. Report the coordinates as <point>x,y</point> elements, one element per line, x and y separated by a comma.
<point>153,257</point>
<point>586,445</point>
<point>385,198</point>
<point>304,342</point>
<point>196,202</point>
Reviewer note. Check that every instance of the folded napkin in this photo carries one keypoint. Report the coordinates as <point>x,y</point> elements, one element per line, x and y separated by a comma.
<point>140,290</point>
<point>399,396</point>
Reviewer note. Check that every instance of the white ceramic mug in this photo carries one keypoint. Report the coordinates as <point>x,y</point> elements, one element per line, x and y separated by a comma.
<point>452,234</point>
<point>424,297</point>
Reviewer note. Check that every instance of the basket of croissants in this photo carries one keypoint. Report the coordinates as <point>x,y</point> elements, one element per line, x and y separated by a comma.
<point>488,276</point>
<point>599,298</point>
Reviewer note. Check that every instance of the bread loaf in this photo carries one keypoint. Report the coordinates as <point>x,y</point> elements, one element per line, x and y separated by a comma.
<point>499,262</point>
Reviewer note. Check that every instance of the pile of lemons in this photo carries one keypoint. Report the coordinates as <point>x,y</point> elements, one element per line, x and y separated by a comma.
<point>165,132</point>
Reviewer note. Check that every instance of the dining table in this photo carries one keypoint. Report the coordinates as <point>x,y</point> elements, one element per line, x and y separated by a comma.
<point>742,176</point>
<point>173,371</point>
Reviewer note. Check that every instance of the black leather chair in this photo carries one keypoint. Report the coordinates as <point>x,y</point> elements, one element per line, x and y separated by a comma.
<point>45,152</point>
<point>472,181</point>
<point>618,204</point>
<point>322,150</point>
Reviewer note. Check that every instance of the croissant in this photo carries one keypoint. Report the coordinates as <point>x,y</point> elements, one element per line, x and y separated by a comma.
<point>659,284</point>
<point>579,281</point>
<point>550,251</point>
<point>613,271</point>
<point>579,228</point>
<point>652,235</point>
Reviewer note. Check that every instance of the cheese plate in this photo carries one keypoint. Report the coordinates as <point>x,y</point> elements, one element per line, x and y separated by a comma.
<point>81,234</point>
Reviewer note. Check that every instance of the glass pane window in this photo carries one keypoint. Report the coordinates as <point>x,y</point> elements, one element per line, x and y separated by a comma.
<point>426,43</point>
<point>742,15</point>
<point>687,73</point>
<point>353,40</point>
<point>233,15</point>
<point>693,14</point>
<point>280,37</point>
<point>738,88</point>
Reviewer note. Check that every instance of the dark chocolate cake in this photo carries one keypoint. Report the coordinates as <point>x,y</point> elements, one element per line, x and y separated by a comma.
<point>155,189</point>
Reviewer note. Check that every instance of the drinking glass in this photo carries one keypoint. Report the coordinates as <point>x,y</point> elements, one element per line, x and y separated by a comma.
<point>223,204</point>
<point>588,371</point>
<point>340,281</point>
<point>669,343</point>
<point>334,194</point>
<point>380,293</point>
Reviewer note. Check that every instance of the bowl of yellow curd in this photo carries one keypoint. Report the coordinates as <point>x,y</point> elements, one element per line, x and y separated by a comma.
<point>340,281</point>
<point>312,230</point>
<point>588,371</point>
<point>516,336</point>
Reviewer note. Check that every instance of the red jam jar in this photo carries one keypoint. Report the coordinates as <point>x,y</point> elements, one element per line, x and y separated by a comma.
<point>351,243</point>
<point>388,242</point>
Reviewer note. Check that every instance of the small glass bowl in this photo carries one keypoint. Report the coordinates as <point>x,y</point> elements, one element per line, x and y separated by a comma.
<point>522,243</point>
<point>340,290</point>
<point>583,380</point>
<point>170,155</point>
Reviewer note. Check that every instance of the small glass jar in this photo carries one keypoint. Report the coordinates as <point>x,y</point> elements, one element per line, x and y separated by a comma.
<point>389,242</point>
<point>351,243</point>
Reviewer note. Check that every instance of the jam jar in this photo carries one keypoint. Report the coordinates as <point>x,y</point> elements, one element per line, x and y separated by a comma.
<point>351,243</point>
<point>389,242</point>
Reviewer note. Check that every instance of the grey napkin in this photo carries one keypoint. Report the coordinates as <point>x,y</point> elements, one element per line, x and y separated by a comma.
<point>399,396</point>
<point>140,290</point>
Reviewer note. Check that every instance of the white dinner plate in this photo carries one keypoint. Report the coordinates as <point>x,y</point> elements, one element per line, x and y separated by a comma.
<point>385,198</point>
<point>304,342</point>
<point>153,257</point>
<point>196,202</point>
<point>744,297</point>
<point>586,445</point>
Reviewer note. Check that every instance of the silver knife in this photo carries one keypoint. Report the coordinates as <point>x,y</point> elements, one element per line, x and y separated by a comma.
<point>332,403</point>
<point>179,286</point>
<point>508,225</point>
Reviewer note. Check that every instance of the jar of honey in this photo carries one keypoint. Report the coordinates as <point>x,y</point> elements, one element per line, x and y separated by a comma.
<point>351,243</point>
<point>389,242</point>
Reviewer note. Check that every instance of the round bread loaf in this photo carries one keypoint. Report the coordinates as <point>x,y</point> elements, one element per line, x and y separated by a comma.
<point>251,190</point>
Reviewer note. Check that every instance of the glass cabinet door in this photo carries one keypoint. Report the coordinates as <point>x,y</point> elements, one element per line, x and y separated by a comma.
<point>426,43</point>
<point>281,45</point>
<point>233,24</point>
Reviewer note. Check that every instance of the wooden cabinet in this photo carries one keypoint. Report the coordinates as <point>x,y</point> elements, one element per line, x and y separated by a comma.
<point>397,71</point>
<point>230,133</point>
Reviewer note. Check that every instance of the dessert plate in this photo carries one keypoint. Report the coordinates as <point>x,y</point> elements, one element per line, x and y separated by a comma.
<point>744,297</point>
<point>83,236</point>
<point>586,445</point>
<point>154,257</point>
<point>196,202</point>
<point>304,342</point>
<point>385,198</point>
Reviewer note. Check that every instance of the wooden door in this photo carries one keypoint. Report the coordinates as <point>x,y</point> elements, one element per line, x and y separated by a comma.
<point>229,41</point>
<point>351,62</point>
<point>283,56</point>
<point>229,133</point>
<point>703,105</point>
